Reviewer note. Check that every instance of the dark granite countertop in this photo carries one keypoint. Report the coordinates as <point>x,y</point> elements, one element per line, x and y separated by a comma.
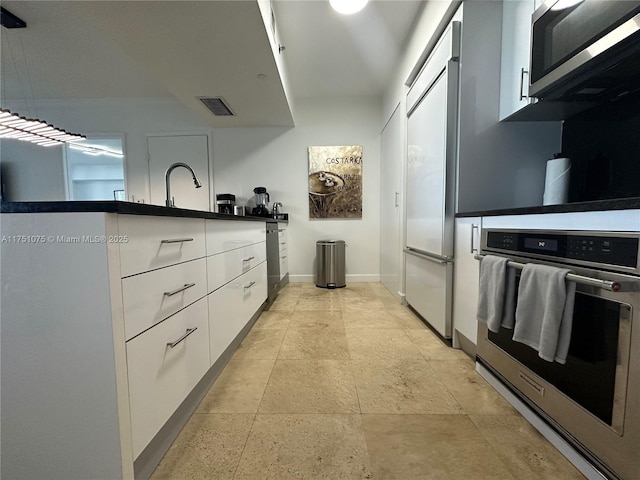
<point>596,205</point>
<point>129,208</point>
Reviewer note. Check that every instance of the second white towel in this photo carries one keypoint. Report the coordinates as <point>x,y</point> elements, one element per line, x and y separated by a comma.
<point>544,313</point>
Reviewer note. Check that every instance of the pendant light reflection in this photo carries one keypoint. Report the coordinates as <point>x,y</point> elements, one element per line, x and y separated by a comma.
<point>32,130</point>
<point>348,7</point>
<point>95,151</point>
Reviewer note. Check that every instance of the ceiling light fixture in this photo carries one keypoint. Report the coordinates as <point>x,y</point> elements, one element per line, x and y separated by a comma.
<point>28,129</point>
<point>34,131</point>
<point>348,7</point>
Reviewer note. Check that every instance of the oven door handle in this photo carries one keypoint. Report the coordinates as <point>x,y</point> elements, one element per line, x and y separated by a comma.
<point>594,282</point>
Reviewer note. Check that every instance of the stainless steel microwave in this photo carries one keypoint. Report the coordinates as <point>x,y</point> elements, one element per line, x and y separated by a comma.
<point>585,50</point>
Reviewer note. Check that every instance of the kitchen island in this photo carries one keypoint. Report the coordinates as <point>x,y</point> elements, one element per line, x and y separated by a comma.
<point>116,319</point>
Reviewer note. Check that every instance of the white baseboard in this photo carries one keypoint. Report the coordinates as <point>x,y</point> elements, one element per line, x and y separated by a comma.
<point>545,430</point>
<point>354,278</point>
<point>301,278</point>
<point>366,278</point>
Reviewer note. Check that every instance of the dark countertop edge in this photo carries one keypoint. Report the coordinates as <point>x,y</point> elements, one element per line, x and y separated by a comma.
<point>130,208</point>
<point>593,206</point>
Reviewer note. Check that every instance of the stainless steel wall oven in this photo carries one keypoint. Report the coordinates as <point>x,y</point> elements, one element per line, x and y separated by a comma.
<point>593,400</point>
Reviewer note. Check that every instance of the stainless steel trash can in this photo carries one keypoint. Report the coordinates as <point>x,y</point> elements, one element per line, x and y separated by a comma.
<point>330,256</point>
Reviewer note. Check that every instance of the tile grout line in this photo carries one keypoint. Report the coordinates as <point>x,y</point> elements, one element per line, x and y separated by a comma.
<point>490,445</point>
<point>255,415</point>
<point>355,383</point>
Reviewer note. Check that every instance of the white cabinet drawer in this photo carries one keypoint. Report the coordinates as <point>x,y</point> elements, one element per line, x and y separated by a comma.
<point>224,267</point>
<point>156,242</point>
<point>150,297</point>
<point>284,263</point>
<point>225,235</point>
<point>282,239</point>
<point>160,377</point>
<point>232,306</point>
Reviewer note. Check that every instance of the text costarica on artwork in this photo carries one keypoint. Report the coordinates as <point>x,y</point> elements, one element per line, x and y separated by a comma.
<point>336,161</point>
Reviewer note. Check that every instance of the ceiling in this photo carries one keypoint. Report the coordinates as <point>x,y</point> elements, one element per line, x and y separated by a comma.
<point>189,49</point>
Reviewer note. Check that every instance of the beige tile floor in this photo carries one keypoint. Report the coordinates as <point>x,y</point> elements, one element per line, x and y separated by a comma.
<point>348,384</point>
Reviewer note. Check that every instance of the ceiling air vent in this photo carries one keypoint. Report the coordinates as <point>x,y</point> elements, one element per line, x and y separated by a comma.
<point>217,106</point>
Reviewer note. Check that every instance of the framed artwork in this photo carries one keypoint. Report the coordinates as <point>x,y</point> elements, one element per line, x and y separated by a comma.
<point>335,182</point>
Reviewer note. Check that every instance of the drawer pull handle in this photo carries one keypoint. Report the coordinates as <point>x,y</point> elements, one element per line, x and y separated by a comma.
<point>284,257</point>
<point>186,334</point>
<point>181,289</point>
<point>248,259</point>
<point>281,229</point>
<point>283,243</point>
<point>177,240</point>
<point>249,285</point>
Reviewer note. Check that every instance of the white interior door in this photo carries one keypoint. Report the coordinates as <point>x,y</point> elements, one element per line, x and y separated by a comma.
<point>190,149</point>
<point>426,168</point>
<point>392,143</point>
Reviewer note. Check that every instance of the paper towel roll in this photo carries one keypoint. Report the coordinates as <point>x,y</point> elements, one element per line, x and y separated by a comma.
<point>556,182</point>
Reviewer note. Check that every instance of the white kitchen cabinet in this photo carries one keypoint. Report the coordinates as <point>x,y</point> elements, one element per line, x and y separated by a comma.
<point>466,278</point>
<point>163,366</point>
<point>225,235</point>
<point>237,279</point>
<point>150,242</point>
<point>392,146</point>
<point>232,306</point>
<point>150,297</point>
<point>514,64</point>
<point>283,253</point>
<point>225,266</point>
<point>284,264</point>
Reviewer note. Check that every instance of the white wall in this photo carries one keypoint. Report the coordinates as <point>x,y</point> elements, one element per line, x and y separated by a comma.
<point>134,117</point>
<point>31,172</point>
<point>276,158</point>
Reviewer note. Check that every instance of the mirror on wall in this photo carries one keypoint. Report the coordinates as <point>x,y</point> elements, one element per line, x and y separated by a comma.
<point>95,169</point>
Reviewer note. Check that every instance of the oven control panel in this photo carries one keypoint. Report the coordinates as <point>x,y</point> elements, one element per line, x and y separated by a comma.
<point>591,248</point>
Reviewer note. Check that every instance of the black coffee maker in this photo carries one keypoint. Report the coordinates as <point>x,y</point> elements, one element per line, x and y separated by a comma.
<point>262,202</point>
<point>225,203</point>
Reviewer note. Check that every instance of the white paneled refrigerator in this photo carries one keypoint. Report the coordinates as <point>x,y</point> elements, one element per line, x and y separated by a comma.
<point>432,120</point>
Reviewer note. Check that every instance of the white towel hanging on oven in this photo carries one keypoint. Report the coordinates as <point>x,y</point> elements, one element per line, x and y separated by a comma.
<point>497,293</point>
<point>544,313</point>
